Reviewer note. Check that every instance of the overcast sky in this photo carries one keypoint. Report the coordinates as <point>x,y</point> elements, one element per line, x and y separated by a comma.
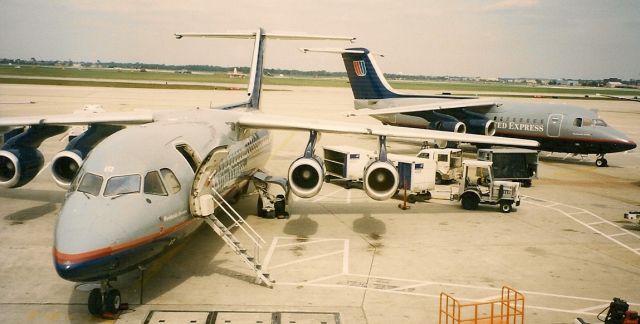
<point>590,39</point>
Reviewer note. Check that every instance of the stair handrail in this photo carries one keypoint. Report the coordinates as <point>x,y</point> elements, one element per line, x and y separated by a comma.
<point>235,220</point>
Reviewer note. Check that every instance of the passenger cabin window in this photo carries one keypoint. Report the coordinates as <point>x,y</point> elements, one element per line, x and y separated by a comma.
<point>153,184</point>
<point>91,184</point>
<point>577,122</point>
<point>122,185</point>
<point>189,155</point>
<point>171,181</point>
<point>442,158</point>
<point>424,155</point>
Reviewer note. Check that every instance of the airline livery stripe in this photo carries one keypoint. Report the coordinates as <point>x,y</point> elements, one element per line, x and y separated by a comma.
<point>95,254</point>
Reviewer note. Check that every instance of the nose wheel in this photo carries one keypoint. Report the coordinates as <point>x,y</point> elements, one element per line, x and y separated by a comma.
<point>105,301</point>
<point>601,161</point>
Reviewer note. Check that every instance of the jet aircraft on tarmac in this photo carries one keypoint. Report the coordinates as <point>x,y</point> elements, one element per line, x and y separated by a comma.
<point>558,128</point>
<point>136,181</point>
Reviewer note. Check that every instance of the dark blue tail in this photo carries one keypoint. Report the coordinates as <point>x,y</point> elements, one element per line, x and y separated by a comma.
<point>366,81</point>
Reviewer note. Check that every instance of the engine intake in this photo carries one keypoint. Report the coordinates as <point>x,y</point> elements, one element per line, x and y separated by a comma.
<point>306,176</point>
<point>381,180</point>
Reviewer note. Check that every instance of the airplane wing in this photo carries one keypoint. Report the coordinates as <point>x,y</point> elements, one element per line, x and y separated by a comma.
<point>118,118</point>
<point>269,121</point>
<point>620,97</point>
<point>442,105</point>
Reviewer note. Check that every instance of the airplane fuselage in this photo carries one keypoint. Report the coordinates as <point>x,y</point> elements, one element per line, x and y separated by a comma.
<point>557,127</point>
<point>129,202</point>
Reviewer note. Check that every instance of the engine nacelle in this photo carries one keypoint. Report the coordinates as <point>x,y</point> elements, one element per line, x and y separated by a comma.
<point>449,126</point>
<point>381,180</point>
<point>306,176</point>
<point>65,166</point>
<point>481,126</point>
<point>19,165</point>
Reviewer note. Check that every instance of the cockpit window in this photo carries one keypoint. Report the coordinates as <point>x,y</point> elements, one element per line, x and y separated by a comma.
<point>599,122</point>
<point>153,185</point>
<point>91,184</point>
<point>121,185</point>
<point>170,180</point>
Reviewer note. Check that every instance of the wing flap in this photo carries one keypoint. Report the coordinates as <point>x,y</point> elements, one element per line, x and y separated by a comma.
<point>250,120</point>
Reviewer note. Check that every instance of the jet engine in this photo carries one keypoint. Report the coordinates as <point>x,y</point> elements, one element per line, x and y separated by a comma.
<point>481,126</point>
<point>20,159</point>
<point>381,180</point>
<point>306,176</point>
<point>449,126</point>
<point>19,165</point>
<point>65,164</point>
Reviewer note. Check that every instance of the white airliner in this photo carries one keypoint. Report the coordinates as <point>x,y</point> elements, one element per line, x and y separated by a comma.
<point>130,176</point>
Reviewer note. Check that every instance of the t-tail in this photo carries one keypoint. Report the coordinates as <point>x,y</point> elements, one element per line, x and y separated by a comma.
<point>254,89</point>
<point>367,80</point>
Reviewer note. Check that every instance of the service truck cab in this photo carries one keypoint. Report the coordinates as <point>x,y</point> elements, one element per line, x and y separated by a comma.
<point>448,163</point>
<point>477,186</point>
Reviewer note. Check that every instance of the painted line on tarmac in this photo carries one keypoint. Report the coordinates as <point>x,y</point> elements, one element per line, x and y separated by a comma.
<point>394,285</point>
<point>612,237</point>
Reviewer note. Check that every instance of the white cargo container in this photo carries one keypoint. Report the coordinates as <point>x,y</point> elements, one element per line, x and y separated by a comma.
<point>417,175</point>
<point>448,163</point>
<point>346,163</point>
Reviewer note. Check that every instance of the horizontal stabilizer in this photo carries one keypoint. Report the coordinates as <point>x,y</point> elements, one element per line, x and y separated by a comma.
<point>251,35</point>
<point>442,105</point>
<point>339,51</point>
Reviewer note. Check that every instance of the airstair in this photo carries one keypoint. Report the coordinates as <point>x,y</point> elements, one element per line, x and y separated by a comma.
<point>205,199</point>
<point>208,203</point>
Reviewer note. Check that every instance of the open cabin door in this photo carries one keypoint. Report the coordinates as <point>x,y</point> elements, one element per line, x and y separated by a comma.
<point>203,182</point>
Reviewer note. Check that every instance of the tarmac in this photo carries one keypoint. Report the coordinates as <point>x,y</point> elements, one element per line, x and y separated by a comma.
<point>342,257</point>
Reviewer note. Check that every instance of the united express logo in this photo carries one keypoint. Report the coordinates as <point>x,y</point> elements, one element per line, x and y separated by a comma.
<point>360,67</point>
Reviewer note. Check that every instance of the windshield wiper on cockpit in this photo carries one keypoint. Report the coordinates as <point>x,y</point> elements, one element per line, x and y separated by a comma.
<point>122,194</point>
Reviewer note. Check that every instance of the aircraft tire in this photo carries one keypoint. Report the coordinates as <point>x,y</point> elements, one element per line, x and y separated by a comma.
<point>95,302</point>
<point>112,301</point>
<point>602,162</point>
<point>470,201</point>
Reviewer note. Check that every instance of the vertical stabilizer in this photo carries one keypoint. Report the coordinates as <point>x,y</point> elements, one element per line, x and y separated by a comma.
<point>367,81</point>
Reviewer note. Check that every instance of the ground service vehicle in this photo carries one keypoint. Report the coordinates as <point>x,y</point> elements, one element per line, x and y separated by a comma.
<point>512,164</point>
<point>448,163</point>
<point>477,186</point>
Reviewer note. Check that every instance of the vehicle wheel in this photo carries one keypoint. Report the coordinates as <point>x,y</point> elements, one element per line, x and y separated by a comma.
<point>602,162</point>
<point>606,163</point>
<point>427,196</point>
<point>347,184</point>
<point>526,183</point>
<point>259,211</point>
<point>412,199</point>
<point>279,206</point>
<point>95,302</point>
<point>112,301</point>
<point>470,202</point>
<point>505,207</point>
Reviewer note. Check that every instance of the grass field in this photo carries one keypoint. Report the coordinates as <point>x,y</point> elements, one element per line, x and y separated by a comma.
<point>97,75</point>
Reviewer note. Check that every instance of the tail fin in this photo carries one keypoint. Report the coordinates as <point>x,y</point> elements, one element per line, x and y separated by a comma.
<point>254,89</point>
<point>367,81</point>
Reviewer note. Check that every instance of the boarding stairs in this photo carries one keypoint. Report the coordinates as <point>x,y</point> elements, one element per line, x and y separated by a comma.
<point>208,205</point>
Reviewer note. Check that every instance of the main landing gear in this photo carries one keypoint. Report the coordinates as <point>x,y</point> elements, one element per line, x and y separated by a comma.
<point>104,301</point>
<point>601,161</point>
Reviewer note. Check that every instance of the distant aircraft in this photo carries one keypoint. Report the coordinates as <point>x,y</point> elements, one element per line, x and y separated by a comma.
<point>558,128</point>
<point>134,191</point>
<point>236,74</point>
<point>634,98</point>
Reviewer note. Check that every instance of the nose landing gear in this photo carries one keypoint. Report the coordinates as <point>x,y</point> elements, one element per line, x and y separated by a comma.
<point>601,161</point>
<point>105,301</point>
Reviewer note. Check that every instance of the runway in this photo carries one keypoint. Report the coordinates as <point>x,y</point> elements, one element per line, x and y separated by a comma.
<point>341,257</point>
